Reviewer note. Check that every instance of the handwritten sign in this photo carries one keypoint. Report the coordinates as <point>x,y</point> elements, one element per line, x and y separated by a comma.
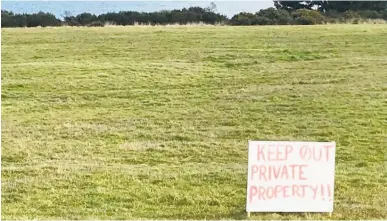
<point>290,176</point>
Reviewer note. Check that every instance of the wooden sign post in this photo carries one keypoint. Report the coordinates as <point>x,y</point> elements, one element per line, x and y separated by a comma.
<point>290,176</point>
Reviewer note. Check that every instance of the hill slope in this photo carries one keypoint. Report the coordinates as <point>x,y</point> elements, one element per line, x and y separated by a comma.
<point>153,122</point>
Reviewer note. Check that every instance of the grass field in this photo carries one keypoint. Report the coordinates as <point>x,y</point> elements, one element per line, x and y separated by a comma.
<point>153,122</point>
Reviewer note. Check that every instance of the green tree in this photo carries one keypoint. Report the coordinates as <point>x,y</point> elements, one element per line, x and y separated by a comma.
<point>339,6</point>
<point>243,18</point>
<point>342,6</point>
<point>275,17</point>
<point>308,17</point>
<point>212,7</point>
<point>85,18</point>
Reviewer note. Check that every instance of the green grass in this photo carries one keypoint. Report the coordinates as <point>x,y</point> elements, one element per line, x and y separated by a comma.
<point>153,122</point>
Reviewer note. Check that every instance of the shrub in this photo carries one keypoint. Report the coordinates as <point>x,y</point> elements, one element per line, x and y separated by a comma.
<point>259,20</point>
<point>73,23</point>
<point>275,17</point>
<point>356,21</point>
<point>242,18</point>
<point>351,15</point>
<point>371,14</point>
<point>333,14</point>
<point>96,24</point>
<point>308,17</point>
<point>85,18</point>
<point>283,17</point>
<point>384,15</point>
<point>304,20</point>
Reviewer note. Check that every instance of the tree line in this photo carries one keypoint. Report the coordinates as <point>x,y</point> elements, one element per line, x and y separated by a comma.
<point>313,12</point>
<point>179,16</point>
<point>283,13</point>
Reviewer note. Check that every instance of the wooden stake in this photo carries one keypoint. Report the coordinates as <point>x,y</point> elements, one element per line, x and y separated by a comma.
<point>248,214</point>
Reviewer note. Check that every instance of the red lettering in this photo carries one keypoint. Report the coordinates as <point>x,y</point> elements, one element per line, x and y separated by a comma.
<point>317,155</point>
<point>295,189</point>
<point>276,172</point>
<point>273,152</point>
<point>314,189</point>
<point>277,190</point>
<point>279,153</point>
<point>269,170</point>
<point>301,172</point>
<point>285,172</point>
<point>305,153</point>
<point>271,195</point>
<point>260,155</point>
<point>327,148</point>
<point>322,192</point>
<point>261,191</point>
<point>262,173</point>
<point>270,154</point>
<point>314,153</point>
<point>293,170</point>
<point>254,170</point>
<point>288,150</point>
<point>303,190</point>
<point>253,191</point>
<point>285,190</point>
<point>329,192</point>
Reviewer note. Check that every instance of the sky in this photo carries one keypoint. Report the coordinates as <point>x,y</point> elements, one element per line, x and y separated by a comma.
<point>228,8</point>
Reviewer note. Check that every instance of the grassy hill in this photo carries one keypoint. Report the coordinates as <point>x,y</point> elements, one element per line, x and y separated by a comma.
<point>153,122</point>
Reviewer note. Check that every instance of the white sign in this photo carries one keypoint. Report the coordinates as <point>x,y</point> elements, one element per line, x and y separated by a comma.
<point>290,176</point>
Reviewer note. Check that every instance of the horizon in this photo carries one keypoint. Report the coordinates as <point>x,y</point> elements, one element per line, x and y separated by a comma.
<point>227,8</point>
